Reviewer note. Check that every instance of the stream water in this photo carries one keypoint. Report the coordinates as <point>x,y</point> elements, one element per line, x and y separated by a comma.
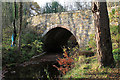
<point>40,67</point>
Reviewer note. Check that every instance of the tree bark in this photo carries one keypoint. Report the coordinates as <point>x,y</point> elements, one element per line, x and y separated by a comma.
<point>19,37</point>
<point>14,23</point>
<point>103,37</point>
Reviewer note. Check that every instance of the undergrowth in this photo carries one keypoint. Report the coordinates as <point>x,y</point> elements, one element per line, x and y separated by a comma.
<point>31,44</point>
<point>66,63</point>
<point>88,67</point>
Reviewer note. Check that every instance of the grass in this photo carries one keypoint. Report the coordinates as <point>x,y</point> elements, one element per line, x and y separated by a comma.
<point>88,67</point>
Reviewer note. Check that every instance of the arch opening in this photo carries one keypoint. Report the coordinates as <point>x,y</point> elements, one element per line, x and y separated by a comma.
<point>56,38</point>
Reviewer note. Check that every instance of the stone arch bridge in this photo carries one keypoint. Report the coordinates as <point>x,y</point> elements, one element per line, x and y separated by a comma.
<point>58,28</point>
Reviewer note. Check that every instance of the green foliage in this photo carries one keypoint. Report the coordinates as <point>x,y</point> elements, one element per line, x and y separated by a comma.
<point>115,33</point>
<point>114,29</point>
<point>53,8</point>
<point>88,48</point>
<point>31,45</point>
<point>13,12</point>
<point>29,37</point>
<point>8,13</point>
<point>113,15</point>
<point>116,54</point>
<point>116,50</point>
<point>6,37</point>
<point>82,66</point>
<point>92,42</point>
<point>10,55</point>
<point>89,68</point>
<point>113,11</point>
<point>115,36</point>
<point>32,42</point>
<point>38,45</point>
<point>47,73</point>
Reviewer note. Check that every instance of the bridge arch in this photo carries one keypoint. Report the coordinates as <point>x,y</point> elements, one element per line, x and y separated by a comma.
<point>56,37</point>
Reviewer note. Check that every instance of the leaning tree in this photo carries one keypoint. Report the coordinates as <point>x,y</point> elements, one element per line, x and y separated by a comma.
<point>103,37</point>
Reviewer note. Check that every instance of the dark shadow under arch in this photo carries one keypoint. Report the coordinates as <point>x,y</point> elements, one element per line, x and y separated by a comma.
<point>56,38</point>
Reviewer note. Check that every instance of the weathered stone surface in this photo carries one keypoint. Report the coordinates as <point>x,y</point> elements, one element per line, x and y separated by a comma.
<point>79,23</point>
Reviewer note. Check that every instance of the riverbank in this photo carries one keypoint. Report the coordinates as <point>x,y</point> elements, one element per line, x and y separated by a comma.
<point>88,67</point>
<point>39,66</point>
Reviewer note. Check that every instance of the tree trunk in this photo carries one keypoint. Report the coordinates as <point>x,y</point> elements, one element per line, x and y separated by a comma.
<point>19,37</point>
<point>103,37</point>
<point>14,23</point>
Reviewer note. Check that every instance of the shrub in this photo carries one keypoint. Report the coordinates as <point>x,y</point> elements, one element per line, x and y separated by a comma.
<point>38,45</point>
<point>31,44</point>
<point>88,48</point>
<point>29,37</point>
<point>65,63</point>
<point>116,57</point>
<point>113,11</point>
<point>29,50</point>
<point>116,50</point>
<point>10,55</point>
<point>116,54</point>
<point>92,42</point>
